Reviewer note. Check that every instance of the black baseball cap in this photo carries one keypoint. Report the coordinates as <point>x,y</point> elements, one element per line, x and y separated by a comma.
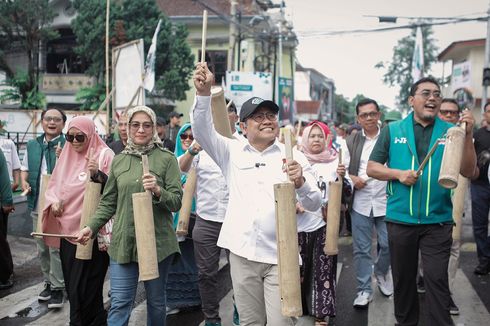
<point>175,114</point>
<point>253,104</point>
<point>161,121</point>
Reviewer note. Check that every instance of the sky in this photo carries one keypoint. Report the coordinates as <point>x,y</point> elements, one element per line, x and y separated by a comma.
<point>350,59</point>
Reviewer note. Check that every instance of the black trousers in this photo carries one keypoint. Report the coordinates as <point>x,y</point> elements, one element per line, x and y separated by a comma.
<point>6,263</point>
<point>84,281</point>
<point>434,242</point>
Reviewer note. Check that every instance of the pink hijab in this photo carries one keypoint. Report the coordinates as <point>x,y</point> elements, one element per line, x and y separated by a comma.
<point>327,155</point>
<point>68,180</point>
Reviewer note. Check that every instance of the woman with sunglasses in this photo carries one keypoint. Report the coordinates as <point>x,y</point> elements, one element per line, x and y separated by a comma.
<point>318,271</point>
<point>182,285</point>
<point>84,279</point>
<point>125,178</point>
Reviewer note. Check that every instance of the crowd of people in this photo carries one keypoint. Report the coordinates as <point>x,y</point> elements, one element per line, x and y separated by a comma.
<point>385,201</point>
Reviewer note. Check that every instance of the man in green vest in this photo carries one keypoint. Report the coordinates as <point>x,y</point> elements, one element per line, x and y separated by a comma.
<point>40,159</point>
<point>419,210</point>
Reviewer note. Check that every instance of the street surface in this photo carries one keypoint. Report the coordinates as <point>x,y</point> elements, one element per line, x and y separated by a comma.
<point>19,305</point>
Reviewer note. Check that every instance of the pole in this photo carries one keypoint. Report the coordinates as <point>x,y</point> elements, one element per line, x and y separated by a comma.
<point>279,53</point>
<point>484,95</point>
<point>108,116</point>
<point>233,32</point>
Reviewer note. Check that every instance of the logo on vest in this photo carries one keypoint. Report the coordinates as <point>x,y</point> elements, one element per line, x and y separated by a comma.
<point>257,100</point>
<point>401,140</point>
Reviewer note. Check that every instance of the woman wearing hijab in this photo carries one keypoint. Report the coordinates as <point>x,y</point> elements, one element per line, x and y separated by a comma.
<point>182,285</point>
<point>318,271</point>
<point>125,178</point>
<point>84,279</point>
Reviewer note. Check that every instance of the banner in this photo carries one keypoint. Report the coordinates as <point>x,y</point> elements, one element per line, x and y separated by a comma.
<point>240,86</point>
<point>418,57</point>
<point>286,101</point>
<point>461,76</point>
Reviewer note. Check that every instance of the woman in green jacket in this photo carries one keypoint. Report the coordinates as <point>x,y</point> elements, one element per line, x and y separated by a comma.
<point>125,178</point>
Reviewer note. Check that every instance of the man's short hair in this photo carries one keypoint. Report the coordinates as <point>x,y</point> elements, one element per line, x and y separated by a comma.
<point>415,85</point>
<point>485,107</point>
<point>366,101</point>
<point>63,115</point>
<point>451,100</point>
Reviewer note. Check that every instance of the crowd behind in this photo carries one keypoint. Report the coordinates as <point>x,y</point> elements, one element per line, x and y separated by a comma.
<point>384,201</point>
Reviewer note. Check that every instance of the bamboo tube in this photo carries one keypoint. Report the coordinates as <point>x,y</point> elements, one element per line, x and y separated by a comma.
<point>458,206</point>
<point>220,112</point>
<point>185,210</point>
<point>452,156</point>
<point>145,231</point>
<point>333,215</point>
<point>91,198</point>
<point>41,200</point>
<point>204,35</point>
<point>287,242</point>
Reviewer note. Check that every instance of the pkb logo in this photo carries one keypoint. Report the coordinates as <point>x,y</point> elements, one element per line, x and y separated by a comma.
<point>400,140</point>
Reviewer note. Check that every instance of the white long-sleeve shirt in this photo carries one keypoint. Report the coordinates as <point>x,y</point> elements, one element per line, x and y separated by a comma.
<point>249,228</point>
<point>373,195</point>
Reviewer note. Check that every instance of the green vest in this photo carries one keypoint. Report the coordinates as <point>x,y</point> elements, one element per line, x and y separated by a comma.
<point>36,148</point>
<point>425,202</point>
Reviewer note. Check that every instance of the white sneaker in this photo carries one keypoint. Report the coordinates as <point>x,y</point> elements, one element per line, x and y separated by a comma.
<point>362,300</point>
<point>172,311</point>
<point>385,284</point>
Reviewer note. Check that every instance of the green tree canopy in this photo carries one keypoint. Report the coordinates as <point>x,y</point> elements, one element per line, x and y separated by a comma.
<point>347,108</point>
<point>399,69</point>
<point>23,24</point>
<point>131,20</point>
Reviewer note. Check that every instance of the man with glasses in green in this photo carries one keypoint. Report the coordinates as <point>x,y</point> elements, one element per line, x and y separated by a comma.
<point>419,210</point>
<point>40,159</point>
<point>251,168</point>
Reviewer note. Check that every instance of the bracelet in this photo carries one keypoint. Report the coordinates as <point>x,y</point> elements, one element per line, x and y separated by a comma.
<point>192,152</point>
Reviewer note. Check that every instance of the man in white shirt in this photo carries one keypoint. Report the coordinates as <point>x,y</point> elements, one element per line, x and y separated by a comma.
<point>211,204</point>
<point>250,170</point>
<point>368,208</point>
<point>13,163</point>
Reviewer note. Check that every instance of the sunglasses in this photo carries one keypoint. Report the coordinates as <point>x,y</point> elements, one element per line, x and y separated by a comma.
<point>185,136</point>
<point>80,138</point>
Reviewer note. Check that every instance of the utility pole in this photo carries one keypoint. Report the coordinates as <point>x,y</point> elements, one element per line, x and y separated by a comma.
<point>233,33</point>
<point>484,96</point>
<point>279,53</point>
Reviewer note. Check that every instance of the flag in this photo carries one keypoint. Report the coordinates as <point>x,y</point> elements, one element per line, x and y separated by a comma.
<point>149,79</point>
<point>418,57</point>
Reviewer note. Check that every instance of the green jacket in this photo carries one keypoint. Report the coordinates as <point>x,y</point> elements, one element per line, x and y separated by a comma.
<point>5,189</point>
<point>124,180</point>
<point>36,148</point>
<point>425,202</point>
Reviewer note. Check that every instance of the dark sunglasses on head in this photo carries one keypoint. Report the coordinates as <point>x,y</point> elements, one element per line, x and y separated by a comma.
<point>70,138</point>
<point>185,136</point>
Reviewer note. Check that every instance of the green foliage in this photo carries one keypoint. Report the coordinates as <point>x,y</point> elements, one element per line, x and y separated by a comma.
<point>18,91</point>
<point>398,71</point>
<point>23,24</point>
<point>135,19</point>
<point>347,108</point>
<point>91,97</point>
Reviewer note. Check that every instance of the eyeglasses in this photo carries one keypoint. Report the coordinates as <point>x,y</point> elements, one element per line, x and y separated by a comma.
<point>372,115</point>
<point>80,138</point>
<point>54,119</point>
<point>260,117</point>
<point>449,112</point>
<point>136,125</point>
<point>427,94</point>
<point>186,136</point>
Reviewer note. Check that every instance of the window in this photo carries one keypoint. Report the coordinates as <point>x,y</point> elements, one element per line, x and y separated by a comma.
<point>217,61</point>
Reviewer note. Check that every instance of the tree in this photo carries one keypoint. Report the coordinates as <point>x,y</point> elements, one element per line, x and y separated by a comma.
<point>23,25</point>
<point>130,20</point>
<point>400,67</point>
<point>347,108</point>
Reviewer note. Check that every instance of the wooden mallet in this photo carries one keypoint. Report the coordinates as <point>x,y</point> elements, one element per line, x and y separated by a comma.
<point>145,231</point>
<point>287,241</point>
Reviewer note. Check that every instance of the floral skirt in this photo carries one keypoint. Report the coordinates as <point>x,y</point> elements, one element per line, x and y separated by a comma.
<point>318,275</point>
